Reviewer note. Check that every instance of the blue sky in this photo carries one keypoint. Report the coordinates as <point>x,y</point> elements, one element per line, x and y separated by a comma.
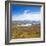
<point>24,12</point>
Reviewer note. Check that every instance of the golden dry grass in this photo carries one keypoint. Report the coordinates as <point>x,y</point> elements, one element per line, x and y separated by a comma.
<point>25,32</point>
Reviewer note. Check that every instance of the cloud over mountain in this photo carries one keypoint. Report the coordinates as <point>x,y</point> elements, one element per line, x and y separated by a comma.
<point>27,15</point>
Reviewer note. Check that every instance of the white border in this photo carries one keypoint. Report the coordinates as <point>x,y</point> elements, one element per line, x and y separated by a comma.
<point>29,39</point>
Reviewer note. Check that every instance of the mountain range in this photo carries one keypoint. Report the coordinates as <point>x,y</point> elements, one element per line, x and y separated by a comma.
<point>25,22</point>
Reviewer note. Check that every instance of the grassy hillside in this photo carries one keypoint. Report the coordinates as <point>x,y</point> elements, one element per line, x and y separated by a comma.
<point>25,32</point>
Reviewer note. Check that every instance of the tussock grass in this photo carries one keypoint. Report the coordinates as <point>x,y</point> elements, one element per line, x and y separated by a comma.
<point>25,32</point>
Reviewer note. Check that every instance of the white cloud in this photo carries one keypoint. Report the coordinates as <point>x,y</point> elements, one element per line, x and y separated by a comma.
<point>27,16</point>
